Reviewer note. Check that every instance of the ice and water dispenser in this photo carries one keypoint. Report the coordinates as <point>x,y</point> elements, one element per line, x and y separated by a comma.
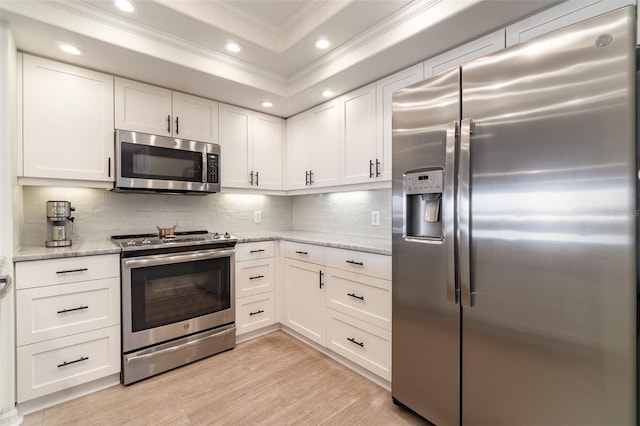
<point>423,203</point>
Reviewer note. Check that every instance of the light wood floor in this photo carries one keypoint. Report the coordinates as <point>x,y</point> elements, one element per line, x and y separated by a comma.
<point>272,380</point>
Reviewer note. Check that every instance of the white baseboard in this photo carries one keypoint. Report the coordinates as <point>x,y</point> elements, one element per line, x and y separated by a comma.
<point>11,418</point>
<point>65,395</point>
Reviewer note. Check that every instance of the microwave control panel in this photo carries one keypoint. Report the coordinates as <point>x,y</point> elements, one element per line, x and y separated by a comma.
<point>424,182</point>
<point>212,168</point>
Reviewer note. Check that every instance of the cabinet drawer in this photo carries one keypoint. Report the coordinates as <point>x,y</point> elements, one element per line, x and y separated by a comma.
<point>254,312</point>
<point>361,296</point>
<point>251,251</point>
<point>58,364</point>
<point>362,343</point>
<point>254,277</point>
<point>305,252</point>
<point>376,265</point>
<point>50,312</point>
<point>39,273</point>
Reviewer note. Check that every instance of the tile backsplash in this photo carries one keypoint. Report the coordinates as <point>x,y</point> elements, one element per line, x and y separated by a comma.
<point>100,213</point>
<point>344,213</point>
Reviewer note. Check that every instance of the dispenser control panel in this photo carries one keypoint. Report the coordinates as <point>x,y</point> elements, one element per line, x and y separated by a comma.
<point>425,182</point>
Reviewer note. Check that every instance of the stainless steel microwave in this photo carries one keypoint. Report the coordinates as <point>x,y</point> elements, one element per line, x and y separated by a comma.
<point>152,163</point>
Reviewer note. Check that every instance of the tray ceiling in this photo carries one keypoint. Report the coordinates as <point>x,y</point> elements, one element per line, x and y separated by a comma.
<point>179,44</point>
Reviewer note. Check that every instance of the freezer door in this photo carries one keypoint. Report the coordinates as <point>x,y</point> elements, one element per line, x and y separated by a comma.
<point>426,318</point>
<point>549,337</point>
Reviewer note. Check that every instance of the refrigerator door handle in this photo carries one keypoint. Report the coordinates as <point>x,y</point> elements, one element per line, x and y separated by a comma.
<point>448,207</point>
<point>464,213</point>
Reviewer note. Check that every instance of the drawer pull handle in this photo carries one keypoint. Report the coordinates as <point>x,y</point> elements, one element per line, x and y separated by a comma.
<point>255,313</point>
<point>256,277</point>
<point>302,252</point>
<point>355,297</point>
<point>353,262</point>
<point>82,358</point>
<point>79,308</point>
<point>68,271</point>
<point>352,340</point>
<point>256,251</point>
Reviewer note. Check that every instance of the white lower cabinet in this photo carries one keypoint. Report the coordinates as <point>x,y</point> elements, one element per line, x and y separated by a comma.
<point>68,323</point>
<point>255,312</point>
<point>341,299</point>
<point>255,286</point>
<point>304,299</point>
<point>358,341</point>
<point>54,365</point>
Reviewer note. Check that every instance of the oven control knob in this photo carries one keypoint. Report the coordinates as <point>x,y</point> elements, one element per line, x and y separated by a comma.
<point>216,236</point>
<point>146,241</point>
<point>226,235</point>
<point>131,243</point>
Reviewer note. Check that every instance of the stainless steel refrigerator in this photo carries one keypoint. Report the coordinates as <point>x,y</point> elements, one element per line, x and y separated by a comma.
<point>514,234</point>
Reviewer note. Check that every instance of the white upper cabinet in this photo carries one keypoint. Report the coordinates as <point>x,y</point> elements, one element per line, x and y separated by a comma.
<point>298,151</point>
<point>267,151</point>
<point>468,52</point>
<point>251,149</point>
<point>313,147</point>
<point>560,16</point>
<point>141,107</point>
<point>235,137</point>
<point>324,169</point>
<point>359,155</point>
<point>67,122</point>
<point>195,118</point>
<point>384,93</point>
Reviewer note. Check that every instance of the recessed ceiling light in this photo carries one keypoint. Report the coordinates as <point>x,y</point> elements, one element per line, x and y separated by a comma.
<point>125,5</point>
<point>322,43</point>
<point>267,104</point>
<point>232,46</point>
<point>70,49</point>
<point>327,93</point>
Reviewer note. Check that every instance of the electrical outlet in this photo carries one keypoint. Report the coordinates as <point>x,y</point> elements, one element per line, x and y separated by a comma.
<point>375,218</point>
<point>257,216</point>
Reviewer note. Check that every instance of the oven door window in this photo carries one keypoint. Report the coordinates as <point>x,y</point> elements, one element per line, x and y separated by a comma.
<point>153,162</point>
<point>171,293</point>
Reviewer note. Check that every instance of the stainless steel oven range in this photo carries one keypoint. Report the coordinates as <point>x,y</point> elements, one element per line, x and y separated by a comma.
<point>177,300</point>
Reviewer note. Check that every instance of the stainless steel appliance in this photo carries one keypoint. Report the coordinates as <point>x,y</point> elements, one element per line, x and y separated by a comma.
<point>59,223</point>
<point>177,300</point>
<point>514,234</point>
<point>152,163</point>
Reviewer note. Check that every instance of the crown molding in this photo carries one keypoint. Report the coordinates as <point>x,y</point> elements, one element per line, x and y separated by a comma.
<point>101,25</point>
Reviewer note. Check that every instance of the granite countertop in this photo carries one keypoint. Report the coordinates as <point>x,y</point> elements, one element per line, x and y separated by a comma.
<point>348,242</point>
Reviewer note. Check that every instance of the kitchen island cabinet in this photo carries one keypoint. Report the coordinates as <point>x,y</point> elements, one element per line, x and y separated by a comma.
<point>67,124</point>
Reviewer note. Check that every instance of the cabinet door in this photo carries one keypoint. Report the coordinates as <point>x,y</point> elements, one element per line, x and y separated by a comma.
<point>142,108</point>
<point>298,149</point>
<point>235,137</point>
<point>465,53</point>
<point>195,118</point>
<point>304,299</point>
<point>358,139</point>
<point>325,148</point>
<point>67,121</point>
<point>384,92</point>
<point>559,16</point>
<point>267,151</point>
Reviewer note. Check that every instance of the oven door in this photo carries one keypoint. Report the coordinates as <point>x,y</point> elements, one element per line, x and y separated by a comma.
<point>167,296</point>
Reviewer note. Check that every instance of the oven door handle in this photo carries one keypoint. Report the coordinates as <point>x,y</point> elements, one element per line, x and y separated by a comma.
<point>153,352</point>
<point>164,259</point>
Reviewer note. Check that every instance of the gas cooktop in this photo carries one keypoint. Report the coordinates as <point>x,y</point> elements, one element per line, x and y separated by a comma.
<point>180,239</point>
